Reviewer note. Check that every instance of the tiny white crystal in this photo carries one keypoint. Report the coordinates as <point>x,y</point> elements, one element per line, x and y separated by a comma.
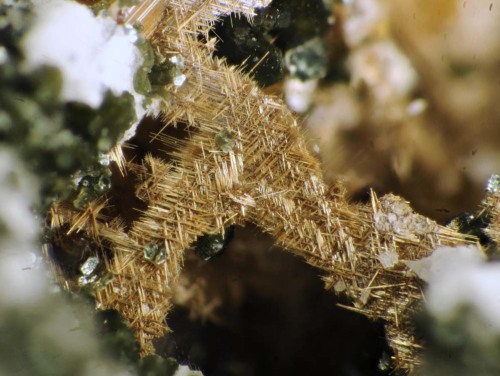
<point>340,286</point>
<point>444,259</point>
<point>89,266</point>
<point>179,80</point>
<point>298,94</point>
<point>460,276</point>
<point>388,259</point>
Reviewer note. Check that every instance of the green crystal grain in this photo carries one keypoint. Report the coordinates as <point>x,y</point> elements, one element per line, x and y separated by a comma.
<point>142,84</point>
<point>150,251</point>
<point>154,254</point>
<point>307,61</point>
<point>167,70</point>
<point>93,185</point>
<point>209,246</point>
<point>224,141</point>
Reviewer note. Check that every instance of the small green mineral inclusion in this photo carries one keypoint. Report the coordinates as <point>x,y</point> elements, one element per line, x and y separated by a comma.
<point>155,254</point>
<point>95,282</point>
<point>209,246</point>
<point>90,188</point>
<point>224,141</point>
<point>142,83</point>
<point>167,69</point>
<point>150,251</point>
<point>160,256</point>
<point>103,184</point>
<point>307,61</point>
<point>93,277</point>
<point>94,184</point>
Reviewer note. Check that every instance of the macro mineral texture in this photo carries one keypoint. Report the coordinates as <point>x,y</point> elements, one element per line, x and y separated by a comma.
<point>199,185</point>
<point>179,132</point>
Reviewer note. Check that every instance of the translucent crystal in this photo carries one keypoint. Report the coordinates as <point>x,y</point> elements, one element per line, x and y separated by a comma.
<point>177,60</point>
<point>82,281</point>
<point>86,181</point>
<point>224,141</point>
<point>160,256</point>
<point>179,80</point>
<point>83,198</point>
<point>150,251</point>
<point>103,184</point>
<point>86,280</point>
<point>493,184</point>
<point>154,254</point>
<point>168,70</point>
<point>388,258</point>
<point>104,159</point>
<point>210,245</point>
<point>307,61</point>
<point>89,266</point>
<point>91,187</point>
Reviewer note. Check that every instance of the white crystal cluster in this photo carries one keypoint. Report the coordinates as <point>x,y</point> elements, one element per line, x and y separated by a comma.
<point>94,54</point>
<point>459,277</point>
<point>395,217</point>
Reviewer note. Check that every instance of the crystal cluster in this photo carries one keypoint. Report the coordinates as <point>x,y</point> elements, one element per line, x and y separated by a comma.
<point>211,245</point>
<point>396,217</point>
<point>154,253</point>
